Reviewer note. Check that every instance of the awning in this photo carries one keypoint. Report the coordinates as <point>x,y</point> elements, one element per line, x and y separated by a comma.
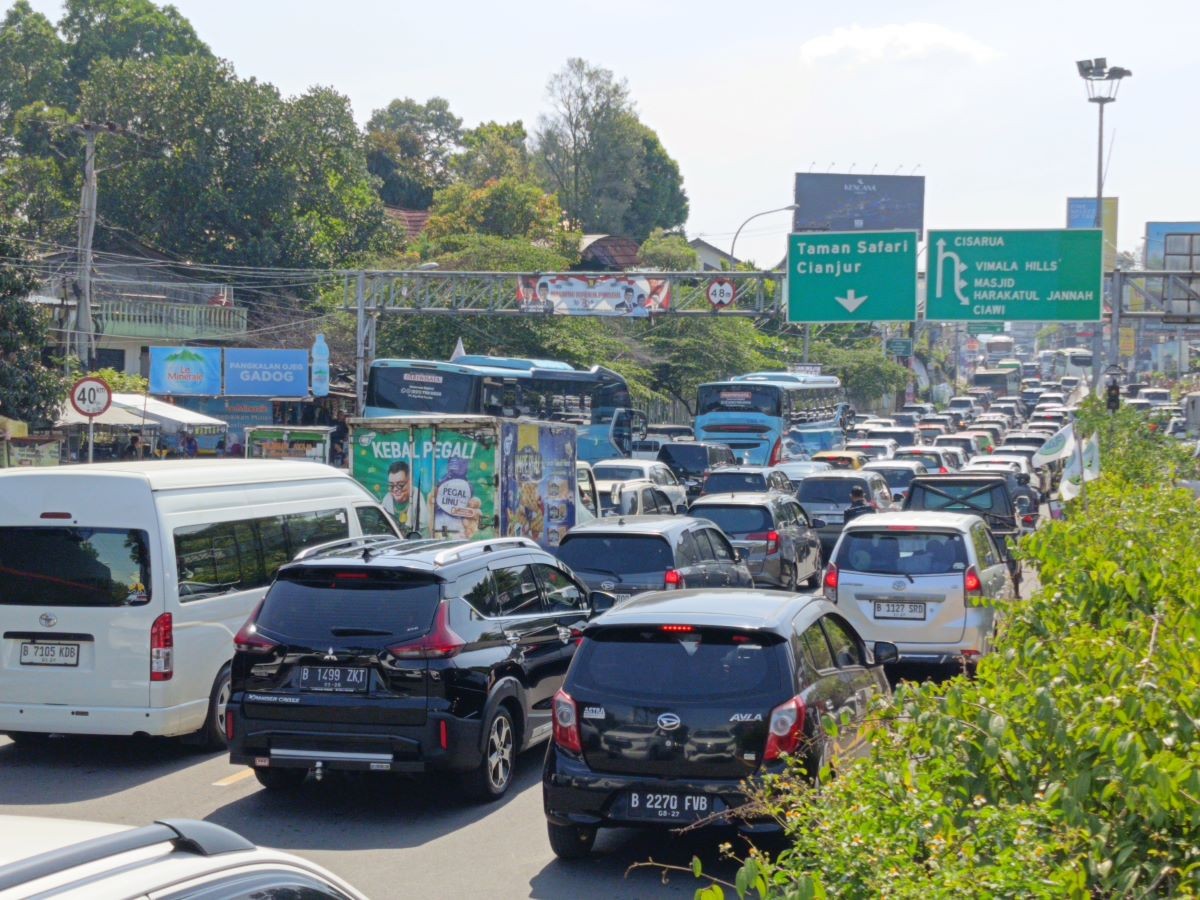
<point>113,416</point>
<point>173,419</point>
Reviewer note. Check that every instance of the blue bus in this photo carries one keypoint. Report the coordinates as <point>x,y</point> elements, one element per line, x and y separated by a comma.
<point>768,417</point>
<point>596,400</point>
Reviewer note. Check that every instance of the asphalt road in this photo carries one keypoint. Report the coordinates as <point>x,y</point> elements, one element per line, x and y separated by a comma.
<point>388,837</point>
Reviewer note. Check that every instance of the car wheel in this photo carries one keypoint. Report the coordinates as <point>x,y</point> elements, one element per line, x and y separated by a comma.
<point>28,738</point>
<point>211,735</point>
<point>280,779</point>
<point>570,841</point>
<point>491,779</point>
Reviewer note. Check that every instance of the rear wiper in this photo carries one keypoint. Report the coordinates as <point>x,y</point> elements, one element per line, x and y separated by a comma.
<point>352,632</point>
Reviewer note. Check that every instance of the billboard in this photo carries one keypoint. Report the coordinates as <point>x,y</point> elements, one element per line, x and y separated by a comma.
<point>832,202</point>
<point>1081,213</point>
<point>1171,238</point>
<point>185,371</point>
<point>266,373</point>
<point>569,294</point>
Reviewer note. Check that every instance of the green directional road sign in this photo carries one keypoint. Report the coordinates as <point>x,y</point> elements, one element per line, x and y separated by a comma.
<point>1015,276</point>
<point>898,346</point>
<point>854,276</point>
<point>984,328</point>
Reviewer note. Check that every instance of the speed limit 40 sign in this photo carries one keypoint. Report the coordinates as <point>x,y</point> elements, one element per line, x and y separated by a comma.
<point>721,292</point>
<point>91,396</point>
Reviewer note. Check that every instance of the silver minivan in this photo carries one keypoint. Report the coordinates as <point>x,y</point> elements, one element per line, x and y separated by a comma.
<point>918,579</point>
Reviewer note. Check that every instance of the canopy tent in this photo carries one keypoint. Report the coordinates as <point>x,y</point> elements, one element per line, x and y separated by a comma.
<point>114,416</point>
<point>172,419</point>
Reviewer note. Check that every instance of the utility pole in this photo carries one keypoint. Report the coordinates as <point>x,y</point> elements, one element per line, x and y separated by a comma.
<point>85,334</point>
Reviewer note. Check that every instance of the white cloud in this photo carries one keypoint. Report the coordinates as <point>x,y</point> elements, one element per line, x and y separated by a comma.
<point>911,40</point>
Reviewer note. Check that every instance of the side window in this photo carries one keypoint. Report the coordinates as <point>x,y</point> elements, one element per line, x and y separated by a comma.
<point>476,589</point>
<point>687,554</point>
<point>218,558</point>
<point>780,482</point>
<point>586,487</point>
<point>785,516</point>
<point>801,515</point>
<point>665,476</point>
<point>664,503</point>
<point>562,594</point>
<point>984,548</point>
<point>311,528</point>
<point>704,545</point>
<point>721,546</point>
<point>846,651</point>
<point>273,540</point>
<point>516,591</point>
<point>373,520</point>
<point>816,648</point>
<point>649,501</point>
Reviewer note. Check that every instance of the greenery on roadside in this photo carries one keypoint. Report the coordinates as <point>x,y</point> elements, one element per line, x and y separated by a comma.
<point>1070,767</point>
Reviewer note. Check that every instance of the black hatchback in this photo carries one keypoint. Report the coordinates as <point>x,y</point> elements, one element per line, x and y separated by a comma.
<point>673,700</point>
<point>381,655</point>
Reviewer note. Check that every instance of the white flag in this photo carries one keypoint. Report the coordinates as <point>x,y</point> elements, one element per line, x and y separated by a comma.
<point>1072,478</point>
<point>1091,458</point>
<point>459,351</point>
<point>1061,445</point>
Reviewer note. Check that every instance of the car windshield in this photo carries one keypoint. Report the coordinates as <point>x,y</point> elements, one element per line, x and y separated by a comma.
<point>897,478</point>
<point>617,473</point>
<point>930,460</point>
<point>827,490</point>
<point>733,482</point>
<point>896,552</point>
<point>704,664</point>
<point>616,553</point>
<point>735,520</point>
<point>74,567</point>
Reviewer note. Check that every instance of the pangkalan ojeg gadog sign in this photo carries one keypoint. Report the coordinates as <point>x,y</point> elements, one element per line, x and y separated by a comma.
<point>266,373</point>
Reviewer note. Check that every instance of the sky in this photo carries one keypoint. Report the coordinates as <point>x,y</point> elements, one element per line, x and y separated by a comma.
<point>982,98</point>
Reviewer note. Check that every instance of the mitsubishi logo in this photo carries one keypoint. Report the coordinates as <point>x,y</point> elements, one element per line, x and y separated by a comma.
<point>330,656</point>
<point>668,721</point>
<point>47,620</point>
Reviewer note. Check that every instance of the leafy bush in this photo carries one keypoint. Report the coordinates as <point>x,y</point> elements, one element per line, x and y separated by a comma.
<point>1070,767</point>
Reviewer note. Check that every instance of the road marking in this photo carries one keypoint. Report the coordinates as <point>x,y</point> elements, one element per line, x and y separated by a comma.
<point>234,779</point>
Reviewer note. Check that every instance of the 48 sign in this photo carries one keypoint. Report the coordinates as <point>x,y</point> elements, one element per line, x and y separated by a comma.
<point>721,292</point>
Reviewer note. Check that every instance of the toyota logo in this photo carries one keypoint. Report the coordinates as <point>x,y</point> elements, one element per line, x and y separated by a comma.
<point>607,585</point>
<point>46,620</point>
<point>898,585</point>
<point>668,721</point>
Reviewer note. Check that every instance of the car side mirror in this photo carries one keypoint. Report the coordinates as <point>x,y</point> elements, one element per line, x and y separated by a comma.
<point>600,602</point>
<point>886,652</point>
<point>743,554</point>
<point>818,523</point>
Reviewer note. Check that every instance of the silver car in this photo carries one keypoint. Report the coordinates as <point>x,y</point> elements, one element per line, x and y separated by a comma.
<point>782,546</point>
<point>918,579</point>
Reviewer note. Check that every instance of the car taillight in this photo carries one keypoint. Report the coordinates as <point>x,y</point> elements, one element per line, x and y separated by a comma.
<point>162,648</point>
<point>1028,520</point>
<point>830,582</point>
<point>229,726</point>
<point>440,643</point>
<point>972,586</point>
<point>786,729</point>
<point>248,640</point>
<point>566,723</point>
<point>776,452</point>
<point>943,471</point>
<point>771,537</point>
<point>673,579</point>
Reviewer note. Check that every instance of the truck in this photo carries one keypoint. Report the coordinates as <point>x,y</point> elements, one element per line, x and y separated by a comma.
<point>470,477</point>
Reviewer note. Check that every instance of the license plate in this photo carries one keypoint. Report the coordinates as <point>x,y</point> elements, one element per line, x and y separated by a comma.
<point>666,807</point>
<point>49,654</point>
<point>886,609</point>
<point>831,518</point>
<point>621,598</point>
<point>338,679</point>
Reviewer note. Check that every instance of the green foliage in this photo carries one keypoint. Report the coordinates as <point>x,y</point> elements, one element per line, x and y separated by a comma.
<point>492,151</point>
<point>29,390</point>
<point>488,252</point>
<point>507,208</point>
<point>659,200</point>
<point>1070,767</point>
<point>669,252</point>
<point>866,373</point>
<point>118,382</point>
<point>124,29</point>
<point>33,66</point>
<point>410,146</point>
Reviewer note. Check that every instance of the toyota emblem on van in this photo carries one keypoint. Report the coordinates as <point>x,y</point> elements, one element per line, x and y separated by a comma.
<point>47,620</point>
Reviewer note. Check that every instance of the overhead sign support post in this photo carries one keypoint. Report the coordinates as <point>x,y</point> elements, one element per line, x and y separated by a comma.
<point>853,276</point>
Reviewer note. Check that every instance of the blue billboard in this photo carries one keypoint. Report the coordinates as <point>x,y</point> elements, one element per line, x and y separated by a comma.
<point>185,371</point>
<point>832,202</point>
<point>1174,240</point>
<point>266,373</point>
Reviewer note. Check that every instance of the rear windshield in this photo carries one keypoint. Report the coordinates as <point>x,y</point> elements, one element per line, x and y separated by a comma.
<point>828,490</point>
<point>732,482</point>
<point>708,664</point>
<point>901,553</point>
<point>897,477</point>
<point>616,553</point>
<point>930,460</point>
<point>970,498</point>
<point>618,473</point>
<point>735,519</point>
<point>692,460</point>
<point>314,604</point>
<point>74,567</point>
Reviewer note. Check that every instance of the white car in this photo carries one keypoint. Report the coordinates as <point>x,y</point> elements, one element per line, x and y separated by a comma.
<point>610,471</point>
<point>876,448</point>
<point>917,579</point>
<point>175,858</point>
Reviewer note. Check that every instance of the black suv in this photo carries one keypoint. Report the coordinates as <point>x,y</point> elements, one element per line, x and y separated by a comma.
<point>629,555</point>
<point>692,460</point>
<point>675,699</point>
<point>381,655</point>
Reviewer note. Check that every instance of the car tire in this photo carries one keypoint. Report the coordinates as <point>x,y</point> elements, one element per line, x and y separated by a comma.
<point>280,779</point>
<point>491,779</point>
<point>211,735</point>
<point>570,841</point>
<point>28,738</point>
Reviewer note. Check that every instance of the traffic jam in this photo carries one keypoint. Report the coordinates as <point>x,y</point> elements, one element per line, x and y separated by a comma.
<point>664,612</point>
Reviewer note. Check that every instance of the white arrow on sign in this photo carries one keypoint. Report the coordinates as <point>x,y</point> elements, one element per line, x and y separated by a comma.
<point>851,301</point>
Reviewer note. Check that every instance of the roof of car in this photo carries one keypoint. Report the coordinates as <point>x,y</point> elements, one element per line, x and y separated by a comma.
<point>920,518</point>
<point>940,478</point>
<point>728,608</point>
<point>740,498</point>
<point>834,454</point>
<point>750,470</point>
<point>840,473</point>
<point>626,461</point>
<point>634,525</point>
<point>167,474</point>
<point>885,464</point>
<point>422,554</point>
<point>869,442</point>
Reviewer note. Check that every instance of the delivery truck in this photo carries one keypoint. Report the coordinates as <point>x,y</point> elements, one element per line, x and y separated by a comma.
<point>470,477</point>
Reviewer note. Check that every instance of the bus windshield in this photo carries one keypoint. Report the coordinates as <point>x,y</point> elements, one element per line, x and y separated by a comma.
<point>411,391</point>
<point>742,397</point>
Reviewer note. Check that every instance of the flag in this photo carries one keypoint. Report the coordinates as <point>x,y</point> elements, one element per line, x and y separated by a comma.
<point>1071,485</point>
<point>459,351</point>
<point>1060,446</point>
<point>1091,458</point>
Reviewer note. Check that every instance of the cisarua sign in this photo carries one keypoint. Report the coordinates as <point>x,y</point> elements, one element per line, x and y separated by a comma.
<point>1030,276</point>
<point>856,276</point>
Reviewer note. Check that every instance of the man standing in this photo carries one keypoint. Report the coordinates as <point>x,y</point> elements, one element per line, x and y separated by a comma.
<point>858,504</point>
<point>134,448</point>
<point>187,443</point>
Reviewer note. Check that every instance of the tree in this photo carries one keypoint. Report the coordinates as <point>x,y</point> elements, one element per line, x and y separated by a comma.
<point>124,29</point>
<point>33,65</point>
<point>507,208</point>
<point>866,374</point>
<point>659,200</point>
<point>410,146</point>
<point>29,390</point>
<point>492,151</point>
<point>669,252</point>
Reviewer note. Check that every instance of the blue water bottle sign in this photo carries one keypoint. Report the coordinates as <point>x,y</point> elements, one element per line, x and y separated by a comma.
<point>320,367</point>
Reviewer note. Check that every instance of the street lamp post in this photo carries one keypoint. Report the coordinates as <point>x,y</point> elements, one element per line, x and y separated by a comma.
<point>765,212</point>
<point>1103,82</point>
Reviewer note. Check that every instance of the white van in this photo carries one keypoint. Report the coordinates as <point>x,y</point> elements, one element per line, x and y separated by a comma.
<point>122,585</point>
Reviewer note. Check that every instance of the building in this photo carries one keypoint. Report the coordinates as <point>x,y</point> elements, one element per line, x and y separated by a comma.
<point>712,259</point>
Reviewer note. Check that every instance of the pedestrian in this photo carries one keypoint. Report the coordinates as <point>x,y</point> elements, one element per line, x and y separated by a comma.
<point>858,504</point>
<point>134,448</point>
<point>187,443</point>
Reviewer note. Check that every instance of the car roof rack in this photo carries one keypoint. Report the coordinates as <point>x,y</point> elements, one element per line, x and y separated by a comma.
<point>367,541</point>
<point>185,835</point>
<point>477,548</point>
